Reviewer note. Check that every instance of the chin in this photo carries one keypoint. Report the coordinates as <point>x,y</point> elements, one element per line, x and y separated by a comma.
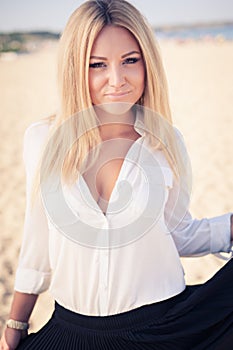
<point>115,108</point>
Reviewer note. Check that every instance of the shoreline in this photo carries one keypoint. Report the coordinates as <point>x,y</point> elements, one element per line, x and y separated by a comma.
<point>49,45</point>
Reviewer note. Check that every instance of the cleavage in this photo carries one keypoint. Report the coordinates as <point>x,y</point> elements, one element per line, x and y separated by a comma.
<point>102,176</point>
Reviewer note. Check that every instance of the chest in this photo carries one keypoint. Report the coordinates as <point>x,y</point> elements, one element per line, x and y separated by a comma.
<point>102,176</point>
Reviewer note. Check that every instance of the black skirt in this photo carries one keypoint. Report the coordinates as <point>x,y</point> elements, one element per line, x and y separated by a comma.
<point>199,318</point>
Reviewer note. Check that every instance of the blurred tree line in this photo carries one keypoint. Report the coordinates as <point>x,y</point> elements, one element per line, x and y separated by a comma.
<point>22,42</point>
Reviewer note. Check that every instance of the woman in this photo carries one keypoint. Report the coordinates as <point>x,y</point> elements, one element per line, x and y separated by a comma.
<point>108,185</point>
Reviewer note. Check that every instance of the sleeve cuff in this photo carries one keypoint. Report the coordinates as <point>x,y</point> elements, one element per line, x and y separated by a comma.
<point>221,233</point>
<point>31,281</point>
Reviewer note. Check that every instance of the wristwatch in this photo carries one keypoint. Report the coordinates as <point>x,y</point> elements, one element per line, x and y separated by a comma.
<point>22,326</point>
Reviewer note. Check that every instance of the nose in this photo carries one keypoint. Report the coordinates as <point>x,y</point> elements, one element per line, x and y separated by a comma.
<point>116,77</point>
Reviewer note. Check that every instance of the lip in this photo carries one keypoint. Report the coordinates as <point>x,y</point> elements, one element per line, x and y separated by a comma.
<point>117,94</point>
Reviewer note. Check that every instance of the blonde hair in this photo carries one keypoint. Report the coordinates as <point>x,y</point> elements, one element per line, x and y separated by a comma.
<point>74,52</point>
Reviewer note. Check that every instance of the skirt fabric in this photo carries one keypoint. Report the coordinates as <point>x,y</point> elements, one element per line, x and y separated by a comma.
<point>199,318</point>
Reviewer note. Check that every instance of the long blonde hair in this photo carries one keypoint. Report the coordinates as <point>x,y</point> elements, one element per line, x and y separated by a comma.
<point>74,52</point>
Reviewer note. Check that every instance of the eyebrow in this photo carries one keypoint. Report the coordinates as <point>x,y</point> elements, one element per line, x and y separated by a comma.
<point>123,56</point>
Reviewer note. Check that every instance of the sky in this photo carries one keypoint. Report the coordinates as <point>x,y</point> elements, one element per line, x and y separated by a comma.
<point>52,15</point>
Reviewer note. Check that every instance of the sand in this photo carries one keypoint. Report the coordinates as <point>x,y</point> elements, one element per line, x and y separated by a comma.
<point>200,83</point>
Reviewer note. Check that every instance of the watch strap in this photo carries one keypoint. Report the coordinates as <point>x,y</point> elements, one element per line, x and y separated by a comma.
<point>22,326</point>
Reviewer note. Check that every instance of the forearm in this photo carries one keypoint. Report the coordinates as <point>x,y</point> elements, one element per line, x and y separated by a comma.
<point>22,306</point>
<point>21,309</point>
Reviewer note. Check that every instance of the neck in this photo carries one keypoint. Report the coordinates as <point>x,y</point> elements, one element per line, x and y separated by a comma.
<point>115,125</point>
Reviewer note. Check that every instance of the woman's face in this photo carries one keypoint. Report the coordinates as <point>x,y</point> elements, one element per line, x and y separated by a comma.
<point>117,72</point>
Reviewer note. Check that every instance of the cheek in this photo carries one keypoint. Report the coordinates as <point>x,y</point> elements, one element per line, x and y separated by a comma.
<point>142,83</point>
<point>93,86</point>
<point>143,76</point>
<point>92,82</point>
<point>96,82</point>
<point>140,79</point>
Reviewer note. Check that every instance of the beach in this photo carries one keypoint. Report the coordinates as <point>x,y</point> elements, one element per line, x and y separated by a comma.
<point>200,86</point>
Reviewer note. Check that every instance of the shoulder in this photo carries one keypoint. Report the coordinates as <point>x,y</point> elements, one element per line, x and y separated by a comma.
<point>35,137</point>
<point>179,136</point>
<point>37,132</point>
<point>180,140</point>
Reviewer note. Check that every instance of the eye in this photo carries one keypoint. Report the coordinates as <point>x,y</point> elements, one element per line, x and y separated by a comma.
<point>97,65</point>
<point>131,60</point>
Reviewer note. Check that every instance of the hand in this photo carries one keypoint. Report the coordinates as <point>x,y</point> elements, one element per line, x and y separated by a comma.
<point>11,338</point>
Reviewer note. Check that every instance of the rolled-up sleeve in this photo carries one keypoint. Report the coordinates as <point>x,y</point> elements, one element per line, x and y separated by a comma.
<point>192,236</point>
<point>33,273</point>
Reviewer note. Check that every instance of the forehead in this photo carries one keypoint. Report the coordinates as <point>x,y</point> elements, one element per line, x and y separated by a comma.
<point>113,38</point>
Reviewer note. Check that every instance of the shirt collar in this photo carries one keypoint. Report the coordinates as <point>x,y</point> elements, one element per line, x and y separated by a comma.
<point>139,125</point>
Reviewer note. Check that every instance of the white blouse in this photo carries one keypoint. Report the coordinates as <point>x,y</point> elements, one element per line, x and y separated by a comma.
<point>102,264</point>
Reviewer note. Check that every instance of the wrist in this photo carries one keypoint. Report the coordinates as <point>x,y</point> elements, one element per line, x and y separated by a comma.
<point>17,325</point>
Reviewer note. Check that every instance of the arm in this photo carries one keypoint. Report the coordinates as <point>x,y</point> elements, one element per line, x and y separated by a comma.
<point>198,237</point>
<point>192,236</point>
<point>22,306</point>
<point>33,272</point>
<point>21,309</point>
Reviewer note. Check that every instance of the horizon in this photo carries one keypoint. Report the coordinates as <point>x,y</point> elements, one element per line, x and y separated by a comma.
<point>177,26</point>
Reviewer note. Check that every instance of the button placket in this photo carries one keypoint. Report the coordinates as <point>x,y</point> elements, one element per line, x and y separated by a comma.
<point>104,268</point>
